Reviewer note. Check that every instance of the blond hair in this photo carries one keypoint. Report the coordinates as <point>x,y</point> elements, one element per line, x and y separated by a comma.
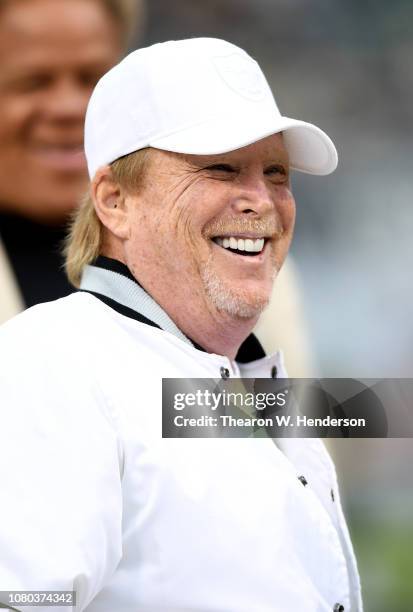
<point>84,240</point>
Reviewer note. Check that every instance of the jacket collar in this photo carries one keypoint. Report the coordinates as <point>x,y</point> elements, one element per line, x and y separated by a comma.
<point>112,282</point>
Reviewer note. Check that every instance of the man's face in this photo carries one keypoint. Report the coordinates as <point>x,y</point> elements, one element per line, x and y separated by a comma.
<point>51,55</point>
<point>192,208</point>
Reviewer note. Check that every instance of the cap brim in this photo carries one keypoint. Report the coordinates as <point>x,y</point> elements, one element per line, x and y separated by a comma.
<point>309,148</point>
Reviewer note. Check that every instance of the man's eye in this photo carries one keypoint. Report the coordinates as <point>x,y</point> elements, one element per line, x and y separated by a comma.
<point>32,83</point>
<point>276,170</point>
<point>221,168</point>
<point>90,76</point>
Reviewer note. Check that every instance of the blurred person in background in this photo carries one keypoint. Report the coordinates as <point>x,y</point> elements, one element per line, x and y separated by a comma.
<point>52,53</point>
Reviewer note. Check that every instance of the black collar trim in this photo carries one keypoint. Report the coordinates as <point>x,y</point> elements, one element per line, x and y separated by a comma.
<point>114,266</point>
<point>250,349</point>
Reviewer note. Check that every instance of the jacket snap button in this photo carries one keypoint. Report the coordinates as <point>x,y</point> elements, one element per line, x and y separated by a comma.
<point>338,608</point>
<point>274,372</point>
<point>303,480</point>
<point>224,372</point>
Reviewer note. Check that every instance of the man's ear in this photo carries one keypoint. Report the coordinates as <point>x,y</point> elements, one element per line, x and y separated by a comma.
<point>109,200</point>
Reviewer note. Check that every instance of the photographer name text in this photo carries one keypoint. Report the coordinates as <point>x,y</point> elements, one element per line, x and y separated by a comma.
<point>274,421</point>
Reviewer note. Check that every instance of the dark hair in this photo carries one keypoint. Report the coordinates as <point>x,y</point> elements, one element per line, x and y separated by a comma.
<point>128,13</point>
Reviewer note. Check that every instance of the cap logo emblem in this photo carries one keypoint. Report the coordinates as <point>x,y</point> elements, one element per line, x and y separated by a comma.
<point>242,74</point>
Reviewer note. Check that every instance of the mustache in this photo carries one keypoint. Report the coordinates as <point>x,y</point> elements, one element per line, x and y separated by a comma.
<point>269,227</point>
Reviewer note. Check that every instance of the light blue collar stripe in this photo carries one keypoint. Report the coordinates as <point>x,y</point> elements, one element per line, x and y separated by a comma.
<point>128,293</point>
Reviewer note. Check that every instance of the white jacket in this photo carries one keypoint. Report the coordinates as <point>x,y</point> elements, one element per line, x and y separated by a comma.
<point>11,301</point>
<point>93,499</point>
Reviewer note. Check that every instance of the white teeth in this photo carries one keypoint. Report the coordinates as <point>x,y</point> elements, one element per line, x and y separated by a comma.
<point>259,245</point>
<point>240,244</point>
<point>249,245</point>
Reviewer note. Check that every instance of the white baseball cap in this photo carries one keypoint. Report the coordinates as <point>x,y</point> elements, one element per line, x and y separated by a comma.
<point>202,96</point>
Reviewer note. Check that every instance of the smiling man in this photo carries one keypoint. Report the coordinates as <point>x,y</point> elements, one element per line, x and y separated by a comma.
<point>175,249</point>
<point>221,224</point>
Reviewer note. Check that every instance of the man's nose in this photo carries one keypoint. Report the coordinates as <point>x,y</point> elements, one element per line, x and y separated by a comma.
<point>66,101</point>
<point>254,197</point>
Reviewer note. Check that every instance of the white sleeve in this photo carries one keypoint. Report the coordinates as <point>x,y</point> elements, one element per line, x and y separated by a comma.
<point>60,481</point>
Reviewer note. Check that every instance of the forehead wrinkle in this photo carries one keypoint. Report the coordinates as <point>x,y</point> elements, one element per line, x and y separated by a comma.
<point>240,157</point>
<point>172,163</point>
